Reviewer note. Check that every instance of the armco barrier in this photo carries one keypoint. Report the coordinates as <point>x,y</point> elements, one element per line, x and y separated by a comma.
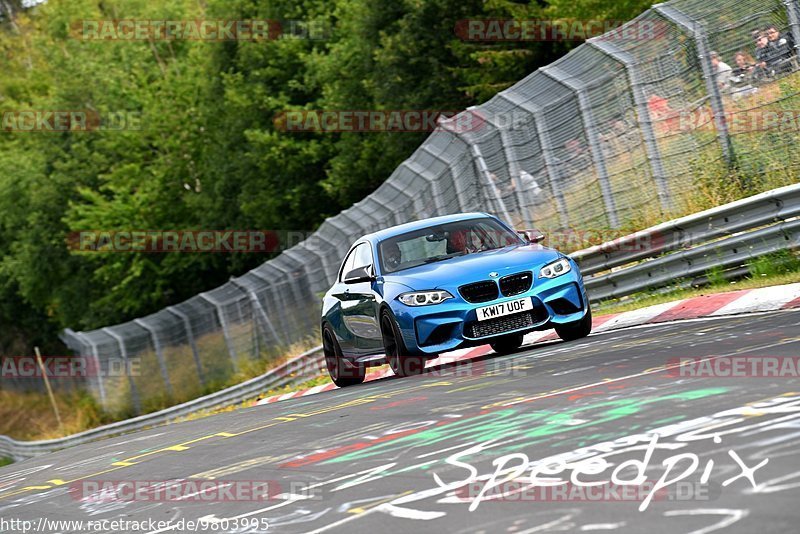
<point>723,237</point>
<point>294,371</point>
<point>752,212</point>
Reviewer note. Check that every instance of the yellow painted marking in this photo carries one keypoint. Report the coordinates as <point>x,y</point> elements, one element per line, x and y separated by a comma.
<point>473,387</point>
<point>57,482</point>
<point>227,470</point>
<point>278,420</point>
<point>362,509</point>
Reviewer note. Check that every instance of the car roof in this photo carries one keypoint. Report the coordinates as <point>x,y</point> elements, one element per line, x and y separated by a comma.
<point>423,223</point>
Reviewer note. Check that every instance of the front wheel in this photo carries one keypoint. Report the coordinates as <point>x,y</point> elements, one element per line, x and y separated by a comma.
<point>343,375</point>
<point>400,361</point>
<point>576,330</point>
<point>506,344</point>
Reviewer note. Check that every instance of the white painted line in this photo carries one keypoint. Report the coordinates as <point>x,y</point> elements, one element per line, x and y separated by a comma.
<point>762,299</point>
<point>533,337</point>
<point>637,317</point>
<point>315,389</point>
<point>602,526</point>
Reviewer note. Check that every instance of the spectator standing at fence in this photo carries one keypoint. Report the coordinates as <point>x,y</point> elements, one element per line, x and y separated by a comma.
<point>666,119</point>
<point>722,72</point>
<point>781,47</point>
<point>742,75</point>
<point>745,64</point>
<point>528,183</point>
<point>762,56</point>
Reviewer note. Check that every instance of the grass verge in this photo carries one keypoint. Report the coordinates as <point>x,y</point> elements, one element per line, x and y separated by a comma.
<point>29,416</point>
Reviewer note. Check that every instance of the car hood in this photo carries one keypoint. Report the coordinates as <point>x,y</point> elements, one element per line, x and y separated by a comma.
<point>475,267</point>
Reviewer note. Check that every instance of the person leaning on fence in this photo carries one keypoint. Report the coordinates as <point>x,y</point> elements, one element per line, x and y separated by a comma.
<point>742,75</point>
<point>745,64</point>
<point>763,52</point>
<point>781,50</point>
<point>722,72</point>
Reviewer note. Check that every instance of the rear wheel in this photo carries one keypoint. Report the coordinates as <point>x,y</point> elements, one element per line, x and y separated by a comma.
<point>576,330</point>
<point>342,374</point>
<point>506,344</point>
<point>399,360</point>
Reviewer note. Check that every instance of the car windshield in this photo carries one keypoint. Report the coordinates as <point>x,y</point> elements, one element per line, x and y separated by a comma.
<point>442,242</point>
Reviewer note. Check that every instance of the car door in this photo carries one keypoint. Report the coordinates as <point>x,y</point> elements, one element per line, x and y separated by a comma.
<point>359,305</point>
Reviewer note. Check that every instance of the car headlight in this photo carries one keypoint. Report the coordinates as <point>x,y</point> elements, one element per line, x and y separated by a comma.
<point>555,269</point>
<point>424,298</point>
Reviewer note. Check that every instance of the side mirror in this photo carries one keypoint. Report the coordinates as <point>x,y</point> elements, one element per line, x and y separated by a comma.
<point>532,236</point>
<point>356,276</point>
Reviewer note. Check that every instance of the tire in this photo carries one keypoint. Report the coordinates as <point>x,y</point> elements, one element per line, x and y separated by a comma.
<point>576,330</point>
<point>400,361</point>
<point>506,344</point>
<point>342,373</point>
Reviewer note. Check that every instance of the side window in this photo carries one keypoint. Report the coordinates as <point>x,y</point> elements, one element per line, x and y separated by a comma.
<point>363,256</point>
<point>347,266</point>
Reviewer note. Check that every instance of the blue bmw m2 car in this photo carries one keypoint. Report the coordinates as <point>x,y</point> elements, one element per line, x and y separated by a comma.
<point>405,294</point>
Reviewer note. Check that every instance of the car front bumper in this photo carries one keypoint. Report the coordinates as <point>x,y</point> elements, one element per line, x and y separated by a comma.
<point>454,323</point>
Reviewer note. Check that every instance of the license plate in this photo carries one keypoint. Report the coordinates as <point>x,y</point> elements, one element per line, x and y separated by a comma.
<point>505,308</point>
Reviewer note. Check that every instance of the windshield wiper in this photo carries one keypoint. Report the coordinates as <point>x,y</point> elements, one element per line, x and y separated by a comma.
<point>442,258</point>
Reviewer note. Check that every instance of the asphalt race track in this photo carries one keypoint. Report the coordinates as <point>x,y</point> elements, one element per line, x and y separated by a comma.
<point>393,455</point>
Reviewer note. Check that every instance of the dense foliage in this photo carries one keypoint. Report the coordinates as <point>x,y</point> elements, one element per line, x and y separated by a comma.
<point>207,154</point>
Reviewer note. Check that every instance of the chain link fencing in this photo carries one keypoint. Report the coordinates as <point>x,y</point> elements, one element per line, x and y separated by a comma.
<point>619,127</point>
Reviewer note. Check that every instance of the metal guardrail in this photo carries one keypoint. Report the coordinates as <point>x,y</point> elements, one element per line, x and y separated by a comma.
<point>690,246</point>
<point>294,371</point>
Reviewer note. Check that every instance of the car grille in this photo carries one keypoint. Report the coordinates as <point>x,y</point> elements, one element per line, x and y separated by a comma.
<point>493,327</point>
<point>516,284</point>
<point>479,292</point>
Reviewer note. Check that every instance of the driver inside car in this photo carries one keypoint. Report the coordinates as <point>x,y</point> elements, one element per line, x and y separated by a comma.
<point>459,242</point>
<point>392,255</point>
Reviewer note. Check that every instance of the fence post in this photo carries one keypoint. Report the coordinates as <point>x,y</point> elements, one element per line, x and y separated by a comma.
<point>159,353</point>
<point>546,145</point>
<point>579,88</point>
<point>480,164</point>
<point>225,331</point>
<point>513,168</point>
<point>137,403</point>
<point>643,113</point>
<point>435,193</point>
<point>190,335</point>
<point>328,267</point>
<point>696,30</point>
<point>254,299</point>
<point>96,357</point>
<point>456,188</point>
<point>793,14</point>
